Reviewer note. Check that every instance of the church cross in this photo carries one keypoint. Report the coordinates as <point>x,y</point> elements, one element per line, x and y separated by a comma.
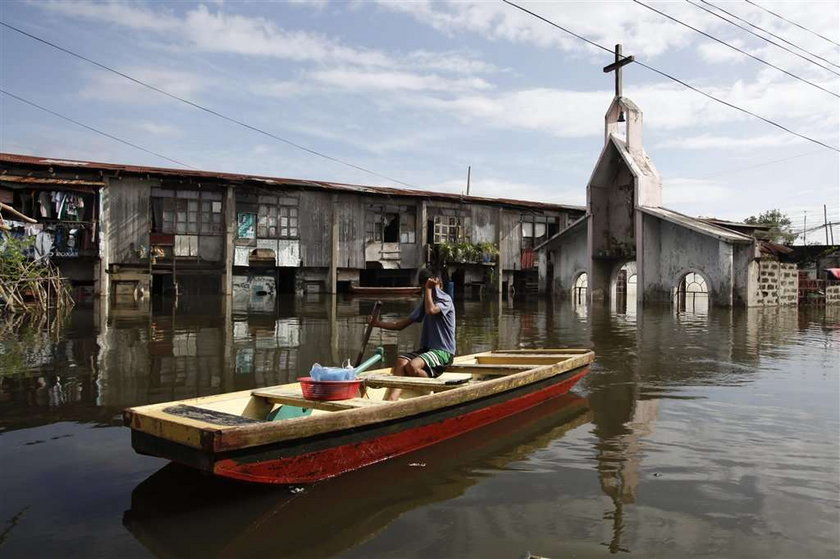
<point>620,61</point>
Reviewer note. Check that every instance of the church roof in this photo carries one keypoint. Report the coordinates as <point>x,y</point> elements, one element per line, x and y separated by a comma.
<point>573,227</point>
<point>698,225</point>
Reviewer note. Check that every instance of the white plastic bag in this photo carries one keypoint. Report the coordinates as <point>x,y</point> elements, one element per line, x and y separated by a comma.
<point>319,373</point>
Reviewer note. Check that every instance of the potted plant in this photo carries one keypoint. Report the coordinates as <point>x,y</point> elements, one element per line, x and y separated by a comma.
<point>489,251</point>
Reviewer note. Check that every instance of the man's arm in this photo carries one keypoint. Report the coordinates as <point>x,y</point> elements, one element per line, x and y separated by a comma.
<point>400,324</point>
<point>428,299</point>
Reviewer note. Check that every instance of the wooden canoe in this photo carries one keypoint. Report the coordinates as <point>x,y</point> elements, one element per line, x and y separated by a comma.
<point>385,291</point>
<point>229,434</point>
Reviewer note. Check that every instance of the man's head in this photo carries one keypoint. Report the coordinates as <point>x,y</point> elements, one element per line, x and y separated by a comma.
<point>425,275</point>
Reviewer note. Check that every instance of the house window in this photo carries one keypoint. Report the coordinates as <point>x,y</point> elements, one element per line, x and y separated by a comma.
<point>451,229</point>
<point>408,228</point>
<point>188,212</point>
<point>391,224</point>
<point>277,218</point>
<point>537,228</point>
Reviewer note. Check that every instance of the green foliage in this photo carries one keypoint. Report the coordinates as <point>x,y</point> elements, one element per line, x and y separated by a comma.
<point>13,256</point>
<point>465,252</point>
<point>780,226</point>
<point>27,284</point>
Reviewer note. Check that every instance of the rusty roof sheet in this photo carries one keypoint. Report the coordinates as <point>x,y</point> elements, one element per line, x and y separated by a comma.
<point>698,225</point>
<point>277,181</point>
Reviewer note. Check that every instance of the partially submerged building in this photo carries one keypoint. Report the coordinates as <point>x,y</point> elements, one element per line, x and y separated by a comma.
<point>133,230</point>
<point>628,248</point>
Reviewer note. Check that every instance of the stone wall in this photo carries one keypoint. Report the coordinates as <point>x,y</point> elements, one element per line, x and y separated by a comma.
<point>832,295</point>
<point>778,284</point>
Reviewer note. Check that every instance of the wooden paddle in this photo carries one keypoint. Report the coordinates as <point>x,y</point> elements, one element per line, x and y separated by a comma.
<point>374,314</point>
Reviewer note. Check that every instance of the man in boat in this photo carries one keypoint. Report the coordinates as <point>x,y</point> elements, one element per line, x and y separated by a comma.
<point>437,338</point>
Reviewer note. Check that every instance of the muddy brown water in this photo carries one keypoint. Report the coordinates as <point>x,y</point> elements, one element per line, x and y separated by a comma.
<point>697,434</point>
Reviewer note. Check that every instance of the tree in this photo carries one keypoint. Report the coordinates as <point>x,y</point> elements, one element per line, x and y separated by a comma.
<point>780,226</point>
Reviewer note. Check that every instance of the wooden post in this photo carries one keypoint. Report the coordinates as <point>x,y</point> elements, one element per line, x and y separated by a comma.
<point>333,274</point>
<point>230,230</point>
<point>825,217</point>
<point>499,266</point>
<point>104,246</point>
<point>422,235</point>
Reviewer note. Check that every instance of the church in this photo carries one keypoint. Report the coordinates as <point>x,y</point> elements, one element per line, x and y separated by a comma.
<point>629,248</point>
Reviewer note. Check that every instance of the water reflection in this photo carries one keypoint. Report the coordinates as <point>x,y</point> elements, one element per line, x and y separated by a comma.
<point>713,422</point>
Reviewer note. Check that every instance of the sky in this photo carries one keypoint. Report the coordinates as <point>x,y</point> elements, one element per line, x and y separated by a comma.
<point>420,91</point>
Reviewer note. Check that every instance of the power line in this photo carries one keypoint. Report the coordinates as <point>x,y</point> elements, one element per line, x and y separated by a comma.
<point>793,23</point>
<point>759,36</point>
<point>771,33</point>
<point>733,47</point>
<point>92,129</point>
<point>763,164</point>
<point>679,81</point>
<point>201,107</point>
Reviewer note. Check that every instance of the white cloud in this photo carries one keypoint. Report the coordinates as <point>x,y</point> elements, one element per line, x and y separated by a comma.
<point>680,191</point>
<point>135,16</point>
<point>359,80</point>
<point>501,188</point>
<point>112,87</point>
<point>712,141</point>
<point>452,62</point>
<point>217,31</point>
<point>157,128</point>
<point>642,31</point>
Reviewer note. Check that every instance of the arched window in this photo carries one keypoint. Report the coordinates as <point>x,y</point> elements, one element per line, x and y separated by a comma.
<point>692,293</point>
<point>579,290</point>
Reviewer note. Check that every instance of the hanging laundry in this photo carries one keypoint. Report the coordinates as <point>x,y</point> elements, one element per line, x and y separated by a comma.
<point>45,203</point>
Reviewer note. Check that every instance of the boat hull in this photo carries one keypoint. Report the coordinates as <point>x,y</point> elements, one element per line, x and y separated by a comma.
<point>323,456</point>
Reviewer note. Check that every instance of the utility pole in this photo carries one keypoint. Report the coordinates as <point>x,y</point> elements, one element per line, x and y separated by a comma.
<point>825,218</point>
<point>805,227</point>
<point>468,179</point>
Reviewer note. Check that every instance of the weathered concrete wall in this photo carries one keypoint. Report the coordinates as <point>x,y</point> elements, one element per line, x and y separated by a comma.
<point>742,271</point>
<point>777,284</point>
<point>832,295</point>
<point>570,258</point>
<point>611,195</point>
<point>129,221</point>
<point>670,252</point>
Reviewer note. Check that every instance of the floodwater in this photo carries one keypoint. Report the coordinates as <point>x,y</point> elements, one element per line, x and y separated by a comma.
<point>697,434</point>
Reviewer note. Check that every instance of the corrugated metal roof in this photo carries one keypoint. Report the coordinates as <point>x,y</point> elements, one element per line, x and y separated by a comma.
<point>698,225</point>
<point>277,181</point>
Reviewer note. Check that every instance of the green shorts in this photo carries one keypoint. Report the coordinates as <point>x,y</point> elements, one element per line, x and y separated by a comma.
<point>436,360</point>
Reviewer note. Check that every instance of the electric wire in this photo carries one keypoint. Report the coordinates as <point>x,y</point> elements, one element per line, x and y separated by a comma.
<point>762,164</point>
<point>815,55</point>
<point>760,37</point>
<point>92,129</point>
<point>679,81</point>
<point>793,23</point>
<point>733,47</point>
<point>202,107</point>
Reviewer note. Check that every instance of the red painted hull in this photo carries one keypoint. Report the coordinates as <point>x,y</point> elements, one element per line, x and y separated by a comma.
<point>308,467</point>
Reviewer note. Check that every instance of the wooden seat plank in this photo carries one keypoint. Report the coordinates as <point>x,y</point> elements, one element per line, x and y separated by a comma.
<point>434,384</point>
<point>524,358</point>
<point>488,369</point>
<point>292,398</point>
<point>570,351</point>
